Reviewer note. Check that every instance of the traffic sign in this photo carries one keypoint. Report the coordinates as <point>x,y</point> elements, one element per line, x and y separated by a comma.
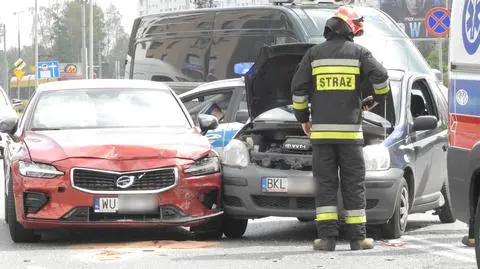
<point>19,64</point>
<point>471,26</point>
<point>48,70</point>
<point>437,21</point>
<point>19,74</point>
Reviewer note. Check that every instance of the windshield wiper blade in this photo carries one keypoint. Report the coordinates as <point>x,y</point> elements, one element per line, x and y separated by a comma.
<point>45,129</point>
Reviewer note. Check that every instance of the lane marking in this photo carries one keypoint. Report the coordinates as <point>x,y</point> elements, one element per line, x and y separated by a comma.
<point>450,252</point>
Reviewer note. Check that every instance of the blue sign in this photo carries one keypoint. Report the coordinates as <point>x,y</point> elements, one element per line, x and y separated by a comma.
<point>48,70</point>
<point>437,21</point>
<point>471,26</point>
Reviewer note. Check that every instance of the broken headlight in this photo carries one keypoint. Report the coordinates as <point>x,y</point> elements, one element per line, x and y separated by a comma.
<point>236,154</point>
<point>377,157</point>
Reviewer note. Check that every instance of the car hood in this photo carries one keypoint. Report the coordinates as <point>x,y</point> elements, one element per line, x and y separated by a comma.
<point>116,144</point>
<point>268,81</point>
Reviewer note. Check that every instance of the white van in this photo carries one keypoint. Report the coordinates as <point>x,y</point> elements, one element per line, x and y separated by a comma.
<point>464,115</point>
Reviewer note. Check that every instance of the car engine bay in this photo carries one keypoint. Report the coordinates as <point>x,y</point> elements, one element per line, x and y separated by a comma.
<point>284,146</point>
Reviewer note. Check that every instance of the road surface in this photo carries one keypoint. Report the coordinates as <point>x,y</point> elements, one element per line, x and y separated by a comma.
<point>268,243</point>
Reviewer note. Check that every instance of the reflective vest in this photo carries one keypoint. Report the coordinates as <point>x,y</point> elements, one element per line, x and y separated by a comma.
<point>329,77</point>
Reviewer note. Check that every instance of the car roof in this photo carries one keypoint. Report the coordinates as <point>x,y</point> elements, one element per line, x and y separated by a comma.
<point>102,84</point>
<point>270,6</point>
<point>223,83</point>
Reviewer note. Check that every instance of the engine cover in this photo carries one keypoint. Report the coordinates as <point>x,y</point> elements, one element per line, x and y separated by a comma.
<point>297,144</point>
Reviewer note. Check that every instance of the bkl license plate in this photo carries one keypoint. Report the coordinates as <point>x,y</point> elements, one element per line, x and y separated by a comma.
<point>274,184</point>
<point>106,205</point>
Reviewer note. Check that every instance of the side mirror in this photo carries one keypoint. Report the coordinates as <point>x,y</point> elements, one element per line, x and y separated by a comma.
<point>423,123</point>
<point>438,74</point>
<point>242,116</point>
<point>8,121</point>
<point>207,122</point>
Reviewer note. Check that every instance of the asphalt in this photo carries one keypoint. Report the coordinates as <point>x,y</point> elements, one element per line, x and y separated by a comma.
<point>268,243</point>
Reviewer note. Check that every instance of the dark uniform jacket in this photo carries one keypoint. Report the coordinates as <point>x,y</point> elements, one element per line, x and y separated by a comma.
<point>329,76</point>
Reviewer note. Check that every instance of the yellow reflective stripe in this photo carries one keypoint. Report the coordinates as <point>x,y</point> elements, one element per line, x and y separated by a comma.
<point>326,216</point>
<point>383,90</point>
<point>336,135</point>
<point>300,106</point>
<point>330,62</point>
<point>335,70</point>
<point>355,220</point>
<point>299,98</point>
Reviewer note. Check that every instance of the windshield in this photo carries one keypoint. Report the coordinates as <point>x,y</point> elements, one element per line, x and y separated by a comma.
<point>389,39</point>
<point>107,108</point>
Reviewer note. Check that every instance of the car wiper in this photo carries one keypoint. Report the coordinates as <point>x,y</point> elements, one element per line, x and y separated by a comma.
<point>45,129</point>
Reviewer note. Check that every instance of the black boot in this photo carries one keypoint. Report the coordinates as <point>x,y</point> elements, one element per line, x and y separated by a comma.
<point>366,243</point>
<point>325,244</point>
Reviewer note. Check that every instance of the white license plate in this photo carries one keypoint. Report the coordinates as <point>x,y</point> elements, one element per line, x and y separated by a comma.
<point>127,204</point>
<point>274,184</point>
<point>106,205</point>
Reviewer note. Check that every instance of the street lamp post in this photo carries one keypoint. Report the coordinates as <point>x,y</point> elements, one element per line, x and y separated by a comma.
<point>35,40</point>
<point>18,21</point>
<point>90,45</point>
<point>5,61</point>
<point>84,43</point>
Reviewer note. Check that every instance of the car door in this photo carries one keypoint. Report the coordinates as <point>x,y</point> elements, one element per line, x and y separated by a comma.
<point>425,142</point>
<point>438,175</point>
<point>202,103</point>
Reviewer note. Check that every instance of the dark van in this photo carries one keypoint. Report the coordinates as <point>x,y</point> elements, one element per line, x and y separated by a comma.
<point>205,45</point>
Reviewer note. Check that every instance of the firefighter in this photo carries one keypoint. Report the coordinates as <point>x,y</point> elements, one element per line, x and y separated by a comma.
<point>330,75</point>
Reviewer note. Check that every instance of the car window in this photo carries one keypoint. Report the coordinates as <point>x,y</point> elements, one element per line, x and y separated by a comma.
<point>213,104</point>
<point>107,108</point>
<point>421,100</point>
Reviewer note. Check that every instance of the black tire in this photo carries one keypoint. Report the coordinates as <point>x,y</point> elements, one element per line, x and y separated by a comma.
<point>446,211</point>
<point>476,226</point>
<point>5,202</point>
<point>395,227</point>
<point>211,230</point>
<point>234,228</point>
<point>17,232</point>
<point>303,219</point>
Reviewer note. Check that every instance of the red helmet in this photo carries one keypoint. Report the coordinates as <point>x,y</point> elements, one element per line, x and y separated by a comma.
<point>353,20</point>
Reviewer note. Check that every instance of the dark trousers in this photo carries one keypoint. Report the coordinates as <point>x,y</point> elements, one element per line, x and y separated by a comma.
<point>328,159</point>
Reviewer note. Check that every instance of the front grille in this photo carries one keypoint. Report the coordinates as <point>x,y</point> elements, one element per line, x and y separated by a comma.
<point>271,201</point>
<point>87,214</point>
<point>306,203</point>
<point>282,202</point>
<point>232,201</point>
<point>152,180</point>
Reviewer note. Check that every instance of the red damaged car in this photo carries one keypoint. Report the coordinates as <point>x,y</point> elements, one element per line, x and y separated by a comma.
<point>109,153</point>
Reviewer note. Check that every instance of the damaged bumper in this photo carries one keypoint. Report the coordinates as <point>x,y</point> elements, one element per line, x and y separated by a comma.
<point>244,196</point>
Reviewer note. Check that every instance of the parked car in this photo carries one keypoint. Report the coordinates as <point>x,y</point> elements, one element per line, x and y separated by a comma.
<point>382,37</point>
<point>109,153</point>
<point>5,105</point>
<point>204,45</point>
<point>267,164</point>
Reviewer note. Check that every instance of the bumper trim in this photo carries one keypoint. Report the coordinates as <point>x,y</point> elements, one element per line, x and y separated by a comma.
<point>235,181</point>
<point>93,223</point>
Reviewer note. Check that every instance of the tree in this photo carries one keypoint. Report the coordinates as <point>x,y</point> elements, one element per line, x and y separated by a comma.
<point>204,3</point>
<point>116,41</point>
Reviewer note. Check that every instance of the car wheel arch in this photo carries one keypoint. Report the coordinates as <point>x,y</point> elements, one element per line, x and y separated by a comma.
<point>474,173</point>
<point>410,179</point>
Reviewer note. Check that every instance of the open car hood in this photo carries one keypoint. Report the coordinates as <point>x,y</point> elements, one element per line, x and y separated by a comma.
<point>268,82</point>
